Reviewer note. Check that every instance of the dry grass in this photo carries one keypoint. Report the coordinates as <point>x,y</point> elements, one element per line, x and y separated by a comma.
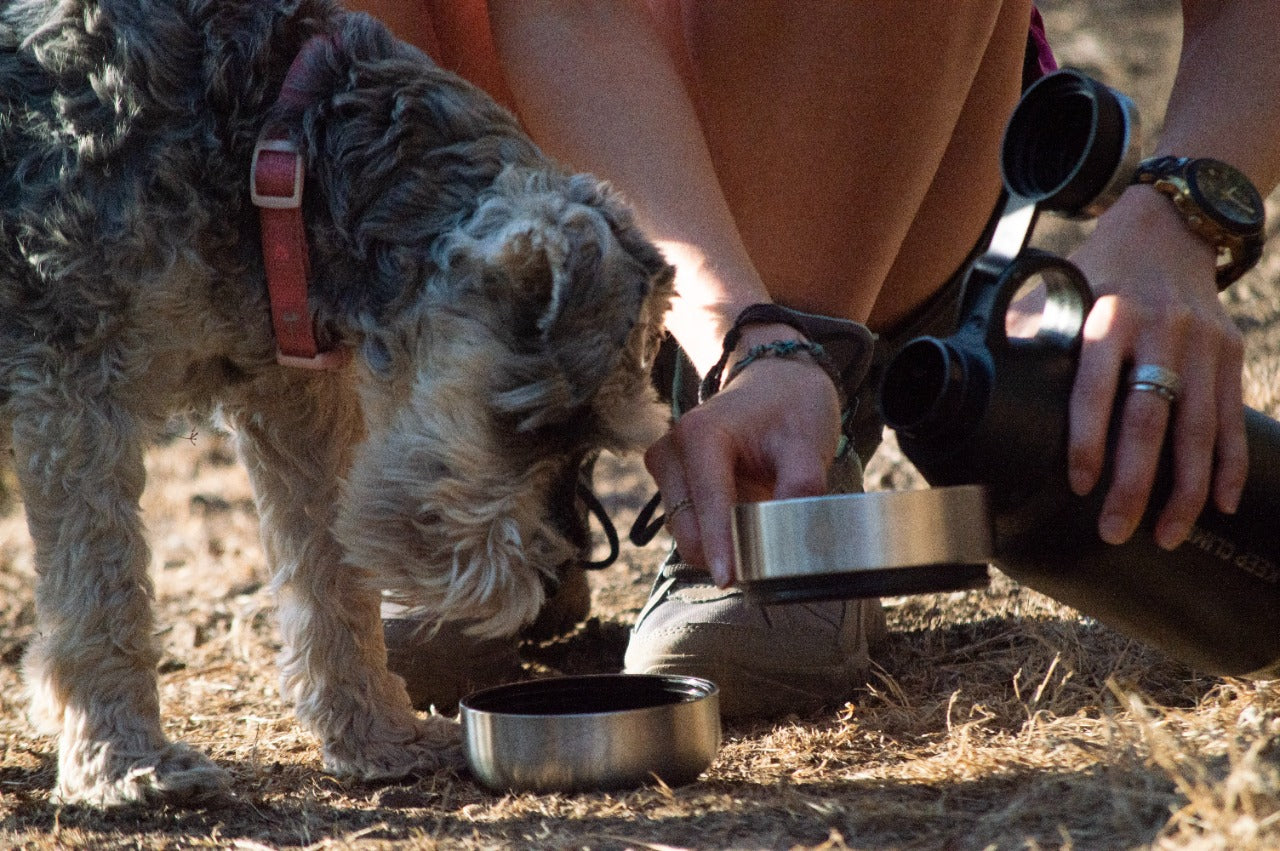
<point>996,719</point>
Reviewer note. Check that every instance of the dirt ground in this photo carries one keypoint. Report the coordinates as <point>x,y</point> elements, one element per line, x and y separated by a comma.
<point>995,719</point>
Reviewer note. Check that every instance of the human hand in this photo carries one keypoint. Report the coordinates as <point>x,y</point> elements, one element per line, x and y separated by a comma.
<point>770,433</point>
<point>1157,303</point>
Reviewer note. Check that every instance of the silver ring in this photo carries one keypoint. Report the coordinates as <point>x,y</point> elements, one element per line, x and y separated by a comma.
<point>682,505</point>
<point>1160,380</point>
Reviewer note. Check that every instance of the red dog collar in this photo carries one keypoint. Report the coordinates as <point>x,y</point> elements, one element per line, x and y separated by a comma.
<point>275,186</point>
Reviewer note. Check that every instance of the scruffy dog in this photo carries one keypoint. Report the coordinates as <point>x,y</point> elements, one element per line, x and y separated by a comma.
<point>501,315</point>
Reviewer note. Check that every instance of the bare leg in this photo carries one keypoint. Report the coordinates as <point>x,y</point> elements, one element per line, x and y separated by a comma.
<point>856,142</point>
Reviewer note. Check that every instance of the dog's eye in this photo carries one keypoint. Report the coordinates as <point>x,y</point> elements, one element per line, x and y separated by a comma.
<point>376,355</point>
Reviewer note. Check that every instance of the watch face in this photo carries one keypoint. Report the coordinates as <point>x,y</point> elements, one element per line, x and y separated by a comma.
<point>1226,195</point>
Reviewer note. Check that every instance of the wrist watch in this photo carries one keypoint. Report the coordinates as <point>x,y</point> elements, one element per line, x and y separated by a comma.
<point>1219,204</point>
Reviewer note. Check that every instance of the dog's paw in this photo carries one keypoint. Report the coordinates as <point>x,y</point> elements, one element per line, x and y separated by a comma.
<point>426,745</point>
<point>177,774</point>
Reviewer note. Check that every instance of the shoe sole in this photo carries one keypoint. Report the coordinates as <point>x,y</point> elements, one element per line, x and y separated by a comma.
<point>753,693</point>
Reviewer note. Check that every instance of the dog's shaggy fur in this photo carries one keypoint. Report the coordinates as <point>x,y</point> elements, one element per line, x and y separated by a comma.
<point>503,314</point>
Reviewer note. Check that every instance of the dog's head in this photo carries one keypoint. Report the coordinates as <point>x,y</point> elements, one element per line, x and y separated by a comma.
<point>505,313</point>
<point>529,352</point>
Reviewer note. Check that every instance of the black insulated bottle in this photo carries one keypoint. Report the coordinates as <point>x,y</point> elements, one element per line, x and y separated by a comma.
<point>980,407</point>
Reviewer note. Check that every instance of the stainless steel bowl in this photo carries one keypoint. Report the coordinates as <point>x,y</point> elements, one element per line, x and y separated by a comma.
<point>878,544</point>
<point>593,732</point>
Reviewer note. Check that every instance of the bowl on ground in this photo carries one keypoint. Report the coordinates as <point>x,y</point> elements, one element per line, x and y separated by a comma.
<point>591,732</point>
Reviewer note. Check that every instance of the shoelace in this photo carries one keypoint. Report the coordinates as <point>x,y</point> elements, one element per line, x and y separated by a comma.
<point>597,510</point>
<point>646,527</point>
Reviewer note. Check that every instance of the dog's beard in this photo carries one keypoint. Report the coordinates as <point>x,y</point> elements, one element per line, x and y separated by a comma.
<point>446,524</point>
<point>455,514</point>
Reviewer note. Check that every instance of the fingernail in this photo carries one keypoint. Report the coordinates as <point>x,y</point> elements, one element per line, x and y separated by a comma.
<point>1080,480</point>
<point>1170,536</point>
<point>1113,529</point>
<point>721,573</point>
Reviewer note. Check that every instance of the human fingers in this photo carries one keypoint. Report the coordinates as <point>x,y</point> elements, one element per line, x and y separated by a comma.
<point>1106,337</point>
<point>800,456</point>
<point>1232,451</point>
<point>694,469</point>
<point>1119,333</point>
<point>1194,426</point>
<point>1157,306</point>
<point>1141,428</point>
<point>662,460</point>
<point>783,418</point>
<point>768,434</point>
<point>710,469</point>
<point>1184,399</point>
<point>1208,425</point>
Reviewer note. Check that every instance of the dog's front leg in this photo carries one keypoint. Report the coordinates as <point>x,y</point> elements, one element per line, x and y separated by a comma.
<point>297,441</point>
<point>91,670</point>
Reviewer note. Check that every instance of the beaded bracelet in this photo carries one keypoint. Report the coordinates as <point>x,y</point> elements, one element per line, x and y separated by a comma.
<point>765,314</point>
<point>787,349</point>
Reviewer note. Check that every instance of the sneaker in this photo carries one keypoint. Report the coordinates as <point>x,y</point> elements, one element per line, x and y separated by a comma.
<point>440,668</point>
<point>794,657</point>
<point>767,660</point>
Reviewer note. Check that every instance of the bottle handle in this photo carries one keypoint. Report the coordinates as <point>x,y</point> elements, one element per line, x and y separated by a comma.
<point>991,290</point>
<point>1068,299</point>
<point>1071,147</point>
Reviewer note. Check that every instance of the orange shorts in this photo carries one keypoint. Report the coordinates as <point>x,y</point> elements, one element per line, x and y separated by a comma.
<point>455,33</point>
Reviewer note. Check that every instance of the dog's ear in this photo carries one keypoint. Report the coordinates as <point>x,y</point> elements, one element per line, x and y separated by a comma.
<point>530,255</point>
<point>581,281</point>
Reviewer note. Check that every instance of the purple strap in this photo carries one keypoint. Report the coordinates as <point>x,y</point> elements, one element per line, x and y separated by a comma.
<point>1040,41</point>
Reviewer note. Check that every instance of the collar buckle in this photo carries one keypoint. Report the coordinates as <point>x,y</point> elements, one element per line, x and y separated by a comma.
<point>275,187</point>
<point>265,181</point>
